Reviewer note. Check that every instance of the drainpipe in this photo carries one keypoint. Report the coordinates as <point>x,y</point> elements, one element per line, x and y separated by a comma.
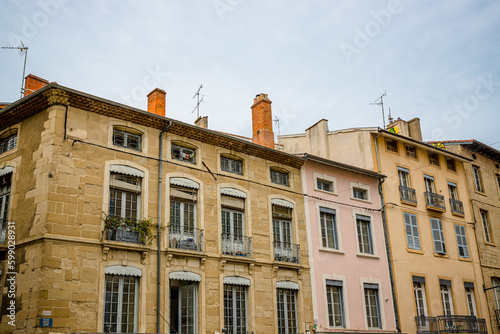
<point>158,283</point>
<point>386,236</point>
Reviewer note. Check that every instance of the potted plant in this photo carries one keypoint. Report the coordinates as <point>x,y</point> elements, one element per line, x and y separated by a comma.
<point>128,229</point>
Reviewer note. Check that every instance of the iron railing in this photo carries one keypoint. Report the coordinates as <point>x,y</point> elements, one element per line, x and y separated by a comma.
<point>457,206</point>
<point>408,194</point>
<point>230,331</point>
<point>286,252</point>
<point>185,237</point>
<point>124,234</point>
<point>426,325</point>
<point>236,245</point>
<point>461,324</point>
<point>434,201</point>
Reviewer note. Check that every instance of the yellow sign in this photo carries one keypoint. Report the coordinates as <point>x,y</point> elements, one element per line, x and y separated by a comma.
<point>394,129</point>
<point>438,145</point>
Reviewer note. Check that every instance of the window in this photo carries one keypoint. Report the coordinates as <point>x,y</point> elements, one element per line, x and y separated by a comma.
<point>486,225</point>
<point>411,228</point>
<point>406,192</point>
<point>360,193</point>
<point>235,309</point>
<point>183,302</point>
<point>183,153</point>
<point>463,250</point>
<point>287,311</point>
<point>8,143</point>
<point>411,151</point>
<point>446,298</point>
<point>450,164</point>
<point>124,195</point>
<point>127,139</point>
<point>471,301</point>
<point>231,165</point>
<point>456,205</point>
<point>429,184</point>
<point>328,228</point>
<point>364,234</point>
<point>437,236</point>
<point>392,145</point>
<point>120,303</point>
<point>234,241</point>
<point>433,159</point>
<point>496,292</point>
<point>498,181</point>
<point>324,185</point>
<point>335,303</point>
<point>280,178</point>
<point>420,300</point>
<point>372,306</point>
<point>478,184</point>
<point>284,249</point>
<point>5,181</point>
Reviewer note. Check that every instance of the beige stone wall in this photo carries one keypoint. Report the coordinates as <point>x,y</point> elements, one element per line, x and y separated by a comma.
<point>59,212</point>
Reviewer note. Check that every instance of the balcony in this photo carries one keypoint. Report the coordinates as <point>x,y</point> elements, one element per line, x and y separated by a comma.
<point>450,324</point>
<point>434,202</point>
<point>286,252</point>
<point>457,207</point>
<point>186,238</point>
<point>408,195</point>
<point>236,245</point>
<point>123,235</point>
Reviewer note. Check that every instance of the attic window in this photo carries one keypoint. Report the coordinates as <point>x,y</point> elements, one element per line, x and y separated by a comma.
<point>411,151</point>
<point>450,163</point>
<point>127,139</point>
<point>279,177</point>
<point>231,165</point>
<point>8,142</point>
<point>183,153</point>
<point>392,145</point>
<point>433,159</point>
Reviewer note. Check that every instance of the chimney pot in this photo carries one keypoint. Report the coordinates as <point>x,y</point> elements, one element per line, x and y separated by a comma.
<point>33,83</point>
<point>156,101</point>
<point>262,121</point>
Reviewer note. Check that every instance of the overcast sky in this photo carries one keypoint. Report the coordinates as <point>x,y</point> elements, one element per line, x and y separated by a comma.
<point>437,60</point>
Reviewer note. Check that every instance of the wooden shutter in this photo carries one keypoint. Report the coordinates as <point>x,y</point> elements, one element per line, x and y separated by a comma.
<point>463,249</point>
<point>437,236</point>
<point>411,227</point>
<point>233,202</point>
<point>183,193</point>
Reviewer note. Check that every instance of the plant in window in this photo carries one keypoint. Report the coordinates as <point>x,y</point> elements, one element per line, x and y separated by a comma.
<point>142,226</point>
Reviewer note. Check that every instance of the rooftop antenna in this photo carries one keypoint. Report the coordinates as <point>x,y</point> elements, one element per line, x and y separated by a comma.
<point>381,103</point>
<point>197,108</point>
<point>22,50</point>
<point>390,116</point>
<point>277,122</point>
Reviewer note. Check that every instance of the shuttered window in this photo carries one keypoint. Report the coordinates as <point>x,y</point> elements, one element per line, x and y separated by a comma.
<point>463,249</point>
<point>411,228</point>
<point>437,236</point>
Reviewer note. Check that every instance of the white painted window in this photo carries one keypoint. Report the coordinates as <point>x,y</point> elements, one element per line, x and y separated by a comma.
<point>471,300</point>
<point>235,308</point>
<point>420,299</point>
<point>287,311</point>
<point>120,303</point>
<point>446,297</point>
<point>124,195</point>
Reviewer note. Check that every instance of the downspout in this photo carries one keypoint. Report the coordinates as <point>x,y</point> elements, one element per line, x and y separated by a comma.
<point>386,236</point>
<point>158,260</point>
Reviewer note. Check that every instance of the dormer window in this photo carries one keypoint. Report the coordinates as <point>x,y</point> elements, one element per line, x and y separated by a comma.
<point>127,139</point>
<point>433,159</point>
<point>183,153</point>
<point>279,177</point>
<point>8,142</point>
<point>231,165</point>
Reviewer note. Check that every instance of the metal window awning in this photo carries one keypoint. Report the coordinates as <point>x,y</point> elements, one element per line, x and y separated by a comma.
<point>446,282</point>
<point>183,182</point>
<point>281,202</point>
<point>469,285</point>
<point>185,276</point>
<point>233,192</point>
<point>419,279</point>
<point>370,286</point>
<point>123,270</point>
<point>127,170</point>
<point>236,280</point>
<point>6,170</point>
<point>287,285</point>
<point>330,282</point>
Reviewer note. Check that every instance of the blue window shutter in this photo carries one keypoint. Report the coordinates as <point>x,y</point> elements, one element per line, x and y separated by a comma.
<point>437,236</point>
<point>463,249</point>
<point>416,236</point>
<point>411,228</point>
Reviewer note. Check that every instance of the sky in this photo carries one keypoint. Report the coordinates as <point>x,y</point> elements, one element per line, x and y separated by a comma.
<point>316,59</point>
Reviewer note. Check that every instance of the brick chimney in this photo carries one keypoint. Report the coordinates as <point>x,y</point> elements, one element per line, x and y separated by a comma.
<point>33,83</point>
<point>156,101</point>
<point>262,121</point>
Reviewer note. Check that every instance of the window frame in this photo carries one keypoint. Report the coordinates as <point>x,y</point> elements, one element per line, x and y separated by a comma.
<point>330,285</point>
<point>325,237</point>
<point>437,231</point>
<point>326,179</point>
<point>470,298</point>
<point>119,310</point>
<point>194,286</point>
<point>357,190</point>
<point>278,176</point>
<point>229,162</point>
<point>323,181</point>
<point>232,313</point>
<point>411,225</point>
<point>5,196</point>
<point>485,219</point>
<point>433,158</point>
<point>181,148</point>
<point>182,210</point>
<point>369,308</point>
<point>410,153</point>
<point>286,303</point>
<point>420,301</point>
<point>495,281</point>
<point>126,134</point>
<point>127,192</point>
<point>391,145</point>
<point>8,142</point>
<point>360,219</point>
<point>478,182</point>
<point>462,245</point>
<point>448,164</point>
<point>446,290</point>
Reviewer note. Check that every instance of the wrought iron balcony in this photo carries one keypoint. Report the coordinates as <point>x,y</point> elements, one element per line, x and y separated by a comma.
<point>457,206</point>
<point>123,234</point>
<point>461,324</point>
<point>434,201</point>
<point>230,331</point>
<point>408,194</point>
<point>286,252</point>
<point>236,245</point>
<point>185,237</point>
<point>426,325</point>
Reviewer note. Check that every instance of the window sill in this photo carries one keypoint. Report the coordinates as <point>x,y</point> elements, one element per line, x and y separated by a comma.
<point>326,192</point>
<point>466,259</point>
<point>480,193</point>
<point>125,246</point>
<point>188,163</point>
<point>9,152</point>
<point>409,203</point>
<point>444,256</point>
<point>331,250</point>
<point>127,149</point>
<point>361,200</point>
<point>414,251</point>
<point>490,244</point>
<point>370,256</point>
<point>280,185</point>
<point>461,215</point>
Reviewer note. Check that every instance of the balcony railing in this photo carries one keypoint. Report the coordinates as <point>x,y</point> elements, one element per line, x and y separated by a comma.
<point>230,331</point>
<point>3,230</point>
<point>408,194</point>
<point>286,252</point>
<point>123,234</point>
<point>426,325</point>
<point>434,201</point>
<point>236,245</point>
<point>461,324</point>
<point>457,206</point>
<point>185,237</point>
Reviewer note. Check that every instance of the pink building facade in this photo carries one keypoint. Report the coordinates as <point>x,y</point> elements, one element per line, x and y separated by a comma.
<point>347,249</point>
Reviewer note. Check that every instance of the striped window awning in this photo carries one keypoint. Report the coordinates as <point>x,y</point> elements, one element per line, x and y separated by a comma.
<point>287,285</point>
<point>282,202</point>
<point>123,270</point>
<point>127,170</point>
<point>185,276</point>
<point>236,280</point>
<point>183,182</point>
<point>6,170</point>
<point>233,192</point>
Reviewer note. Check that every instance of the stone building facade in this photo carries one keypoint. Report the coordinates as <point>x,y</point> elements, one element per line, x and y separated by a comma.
<point>88,183</point>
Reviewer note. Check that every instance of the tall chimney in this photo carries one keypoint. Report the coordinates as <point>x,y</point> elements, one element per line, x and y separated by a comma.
<point>33,83</point>
<point>262,121</point>
<point>156,101</point>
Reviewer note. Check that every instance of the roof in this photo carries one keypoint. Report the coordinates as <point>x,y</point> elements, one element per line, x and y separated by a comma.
<point>474,145</point>
<point>340,165</point>
<point>424,145</point>
<point>54,94</point>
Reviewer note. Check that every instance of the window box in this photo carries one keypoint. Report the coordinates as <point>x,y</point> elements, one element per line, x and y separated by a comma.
<point>128,230</point>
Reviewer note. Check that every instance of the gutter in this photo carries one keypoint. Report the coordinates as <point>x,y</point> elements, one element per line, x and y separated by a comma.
<point>158,283</point>
<point>386,236</point>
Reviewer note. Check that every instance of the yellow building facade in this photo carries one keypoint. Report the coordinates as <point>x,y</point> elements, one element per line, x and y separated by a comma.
<point>89,180</point>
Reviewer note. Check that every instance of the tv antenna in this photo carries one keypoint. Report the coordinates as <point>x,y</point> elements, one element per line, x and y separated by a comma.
<point>277,122</point>
<point>197,108</point>
<point>22,50</point>
<point>380,102</point>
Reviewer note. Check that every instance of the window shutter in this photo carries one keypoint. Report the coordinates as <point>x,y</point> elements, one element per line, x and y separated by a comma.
<point>437,235</point>
<point>183,193</point>
<point>461,241</point>
<point>232,202</point>
<point>409,231</point>
<point>416,236</point>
